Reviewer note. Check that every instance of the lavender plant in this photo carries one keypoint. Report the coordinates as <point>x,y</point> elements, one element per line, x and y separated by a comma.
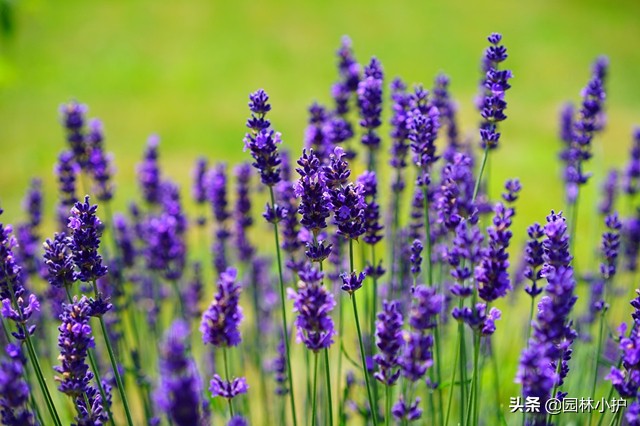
<point>427,351</point>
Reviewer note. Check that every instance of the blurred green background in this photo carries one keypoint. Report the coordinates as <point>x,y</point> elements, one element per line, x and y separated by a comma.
<point>184,70</point>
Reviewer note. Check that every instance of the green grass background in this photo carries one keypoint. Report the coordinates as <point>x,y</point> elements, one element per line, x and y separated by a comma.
<point>184,70</point>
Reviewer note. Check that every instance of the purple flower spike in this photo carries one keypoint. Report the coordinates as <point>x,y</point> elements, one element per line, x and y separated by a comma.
<point>403,411</point>
<point>610,246</point>
<point>423,123</point>
<point>370,103</point>
<point>399,132</point>
<point>228,389</point>
<point>314,304</point>
<point>491,273</point>
<point>261,141</point>
<point>74,340</point>
<point>14,389</point>
<point>495,84</point>
<point>416,257</point>
<point>220,322</point>
<point>311,188</point>
<point>352,282</point>
<point>59,261</point>
<point>179,390</point>
<point>347,203</point>
<point>73,119</point>
<point>533,259</point>
<point>86,230</point>
<point>199,187</point>
<point>389,342</point>
<point>372,225</point>
<point>149,172</point>
<point>242,212</point>
<point>590,121</point>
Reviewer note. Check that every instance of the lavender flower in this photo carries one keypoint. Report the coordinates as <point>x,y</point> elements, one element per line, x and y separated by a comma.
<point>610,246</point>
<point>590,120</point>
<point>496,83</point>
<point>416,257</point>
<point>370,105</point>
<point>552,330</point>
<point>261,141</point>
<point>14,390</point>
<point>311,188</point>
<point>631,178</point>
<point>86,230</point>
<point>217,184</point>
<point>74,341</point>
<point>199,190</point>
<point>27,233</point>
<point>399,132</point>
<point>417,356</point>
<point>290,224</point>
<point>491,274</point>
<point>316,135</point>
<point>179,390</point>
<point>447,110</point>
<point>193,292</point>
<point>16,306</point>
<point>347,203</point>
<point>59,261</point>
<point>242,212</point>
<point>73,120</point>
<point>149,172</point>
<point>67,170</point>
<point>465,253</point>
<point>372,225</point>
<point>389,342</point>
<point>313,303</point>
<point>228,389</point>
<point>124,240</point>
<point>352,282</point>
<point>220,322</point>
<point>423,124</point>
<point>403,411</point>
<point>477,317</point>
<point>99,164</point>
<point>279,367</point>
<point>533,259</point>
<point>237,420</point>
<point>609,192</point>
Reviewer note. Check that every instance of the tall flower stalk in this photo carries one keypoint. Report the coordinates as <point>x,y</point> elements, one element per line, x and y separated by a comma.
<point>492,103</point>
<point>18,310</point>
<point>86,230</point>
<point>263,142</point>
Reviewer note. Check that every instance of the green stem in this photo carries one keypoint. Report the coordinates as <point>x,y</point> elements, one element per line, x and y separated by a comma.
<point>479,180</point>
<point>327,371</point>
<point>452,381</point>
<point>114,363</point>
<point>33,356</point>
<point>471,420</point>
<point>315,388</point>
<point>387,404</point>
<point>595,361</point>
<point>284,314</point>
<point>227,377</point>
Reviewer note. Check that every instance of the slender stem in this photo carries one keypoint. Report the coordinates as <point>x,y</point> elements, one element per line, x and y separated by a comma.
<point>33,356</point>
<point>452,381</point>
<point>227,377</point>
<point>327,371</point>
<point>284,315</point>
<point>307,401</point>
<point>471,407</point>
<point>176,289</point>
<point>595,361</point>
<point>555,385</point>
<point>315,388</point>
<point>114,364</point>
<point>482,166</point>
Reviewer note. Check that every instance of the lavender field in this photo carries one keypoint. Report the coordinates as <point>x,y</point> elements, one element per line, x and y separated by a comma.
<point>412,258</point>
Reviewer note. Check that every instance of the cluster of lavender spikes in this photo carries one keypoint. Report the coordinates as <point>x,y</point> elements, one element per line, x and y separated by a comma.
<point>138,278</point>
